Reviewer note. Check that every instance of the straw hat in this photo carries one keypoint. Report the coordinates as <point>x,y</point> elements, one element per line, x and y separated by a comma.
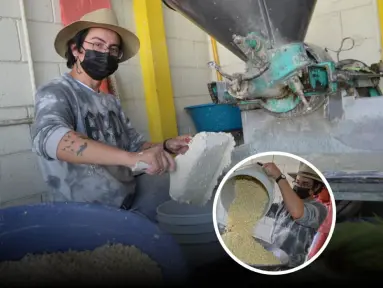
<point>102,18</point>
<point>306,171</point>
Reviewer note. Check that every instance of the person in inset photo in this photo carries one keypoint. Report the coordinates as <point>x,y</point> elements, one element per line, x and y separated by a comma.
<point>299,216</point>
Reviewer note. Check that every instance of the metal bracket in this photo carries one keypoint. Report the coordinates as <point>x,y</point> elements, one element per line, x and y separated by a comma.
<point>334,106</point>
<point>356,186</point>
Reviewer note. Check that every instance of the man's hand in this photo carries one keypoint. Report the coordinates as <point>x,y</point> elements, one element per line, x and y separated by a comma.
<point>158,160</point>
<point>179,145</point>
<point>272,170</point>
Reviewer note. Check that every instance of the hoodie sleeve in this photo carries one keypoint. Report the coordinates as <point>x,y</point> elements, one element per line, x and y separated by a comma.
<point>314,215</point>
<point>54,118</point>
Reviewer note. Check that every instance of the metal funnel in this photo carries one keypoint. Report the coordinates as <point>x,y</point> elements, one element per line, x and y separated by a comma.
<point>279,21</point>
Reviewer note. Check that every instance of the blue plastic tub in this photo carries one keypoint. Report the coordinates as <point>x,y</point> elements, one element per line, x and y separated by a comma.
<point>215,117</point>
<point>60,227</point>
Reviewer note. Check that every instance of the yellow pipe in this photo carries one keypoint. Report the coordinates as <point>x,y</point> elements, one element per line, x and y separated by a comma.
<point>215,55</point>
<point>380,13</point>
<point>155,69</point>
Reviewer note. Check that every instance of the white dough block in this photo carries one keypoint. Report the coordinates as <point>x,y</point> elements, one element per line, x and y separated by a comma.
<point>198,170</point>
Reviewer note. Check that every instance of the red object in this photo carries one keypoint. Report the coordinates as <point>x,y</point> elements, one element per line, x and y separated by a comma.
<point>72,11</point>
<point>324,229</point>
<point>326,225</point>
<point>319,242</point>
<point>324,196</point>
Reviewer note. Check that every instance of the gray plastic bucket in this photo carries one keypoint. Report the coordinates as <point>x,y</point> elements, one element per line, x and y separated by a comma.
<point>189,224</point>
<point>192,227</point>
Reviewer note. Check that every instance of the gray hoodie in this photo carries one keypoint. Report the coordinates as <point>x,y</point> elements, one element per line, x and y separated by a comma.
<point>66,104</point>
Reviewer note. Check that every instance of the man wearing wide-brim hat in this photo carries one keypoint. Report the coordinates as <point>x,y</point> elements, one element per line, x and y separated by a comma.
<point>87,147</point>
<point>299,216</point>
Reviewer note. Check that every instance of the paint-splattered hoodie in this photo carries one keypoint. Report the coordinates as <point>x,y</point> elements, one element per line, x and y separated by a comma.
<point>66,104</point>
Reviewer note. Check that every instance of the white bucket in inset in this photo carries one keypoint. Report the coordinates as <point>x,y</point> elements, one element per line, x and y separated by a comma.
<point>227,194</point>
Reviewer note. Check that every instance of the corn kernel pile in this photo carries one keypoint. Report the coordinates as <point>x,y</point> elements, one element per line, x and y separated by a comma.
<point>106,264</point>
<point>246,210</point>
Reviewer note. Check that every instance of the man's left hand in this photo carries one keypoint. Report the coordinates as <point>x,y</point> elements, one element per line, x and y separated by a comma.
<point>179,145</point>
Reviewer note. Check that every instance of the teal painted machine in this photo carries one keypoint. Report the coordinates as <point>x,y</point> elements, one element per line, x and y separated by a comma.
<point>297,80</point>
<point>283,75</point>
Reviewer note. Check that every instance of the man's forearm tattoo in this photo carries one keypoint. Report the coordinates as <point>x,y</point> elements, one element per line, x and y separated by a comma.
<point>70,140</point>
<point>81,149</point>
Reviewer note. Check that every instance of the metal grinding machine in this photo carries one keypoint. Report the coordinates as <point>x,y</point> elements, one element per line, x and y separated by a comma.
<point>294,97</point>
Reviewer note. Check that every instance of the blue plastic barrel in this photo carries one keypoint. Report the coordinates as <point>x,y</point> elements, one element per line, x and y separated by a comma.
<point>77,226</point>
<point>215,117</point>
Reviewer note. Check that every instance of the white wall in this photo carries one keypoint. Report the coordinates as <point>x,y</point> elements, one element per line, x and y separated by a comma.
<point>20,180</point>
<point>129,74</point>
<point>188,49</point>
<point>334,20</point>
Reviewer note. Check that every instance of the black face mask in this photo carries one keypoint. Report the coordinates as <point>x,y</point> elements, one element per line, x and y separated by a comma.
<point>99,65</point>
<point>302,193</point>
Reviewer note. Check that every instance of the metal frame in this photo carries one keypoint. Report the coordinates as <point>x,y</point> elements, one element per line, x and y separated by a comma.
<point>356,186</point>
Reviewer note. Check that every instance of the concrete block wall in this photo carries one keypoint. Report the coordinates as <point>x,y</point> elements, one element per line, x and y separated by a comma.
<point>129,74</point>
<point>188,49</point>
<point>334,20</point>
<point>20,180</point>
<point>229,62</point>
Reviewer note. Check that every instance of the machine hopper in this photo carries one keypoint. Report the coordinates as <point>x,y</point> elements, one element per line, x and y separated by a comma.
<point>279,21</point>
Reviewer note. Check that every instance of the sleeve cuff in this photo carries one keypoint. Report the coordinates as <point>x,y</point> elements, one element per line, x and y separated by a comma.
<point>53,141</point>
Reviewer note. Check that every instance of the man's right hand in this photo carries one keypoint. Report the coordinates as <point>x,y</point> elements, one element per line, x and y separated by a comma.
<point>272,170</point>
<point>159,160</point>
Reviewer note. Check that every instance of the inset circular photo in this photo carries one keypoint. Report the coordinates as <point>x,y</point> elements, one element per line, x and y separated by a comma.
<point>273,213</point>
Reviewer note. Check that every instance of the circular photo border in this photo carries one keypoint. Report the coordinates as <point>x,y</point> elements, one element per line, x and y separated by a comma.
<point>215,204</point>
